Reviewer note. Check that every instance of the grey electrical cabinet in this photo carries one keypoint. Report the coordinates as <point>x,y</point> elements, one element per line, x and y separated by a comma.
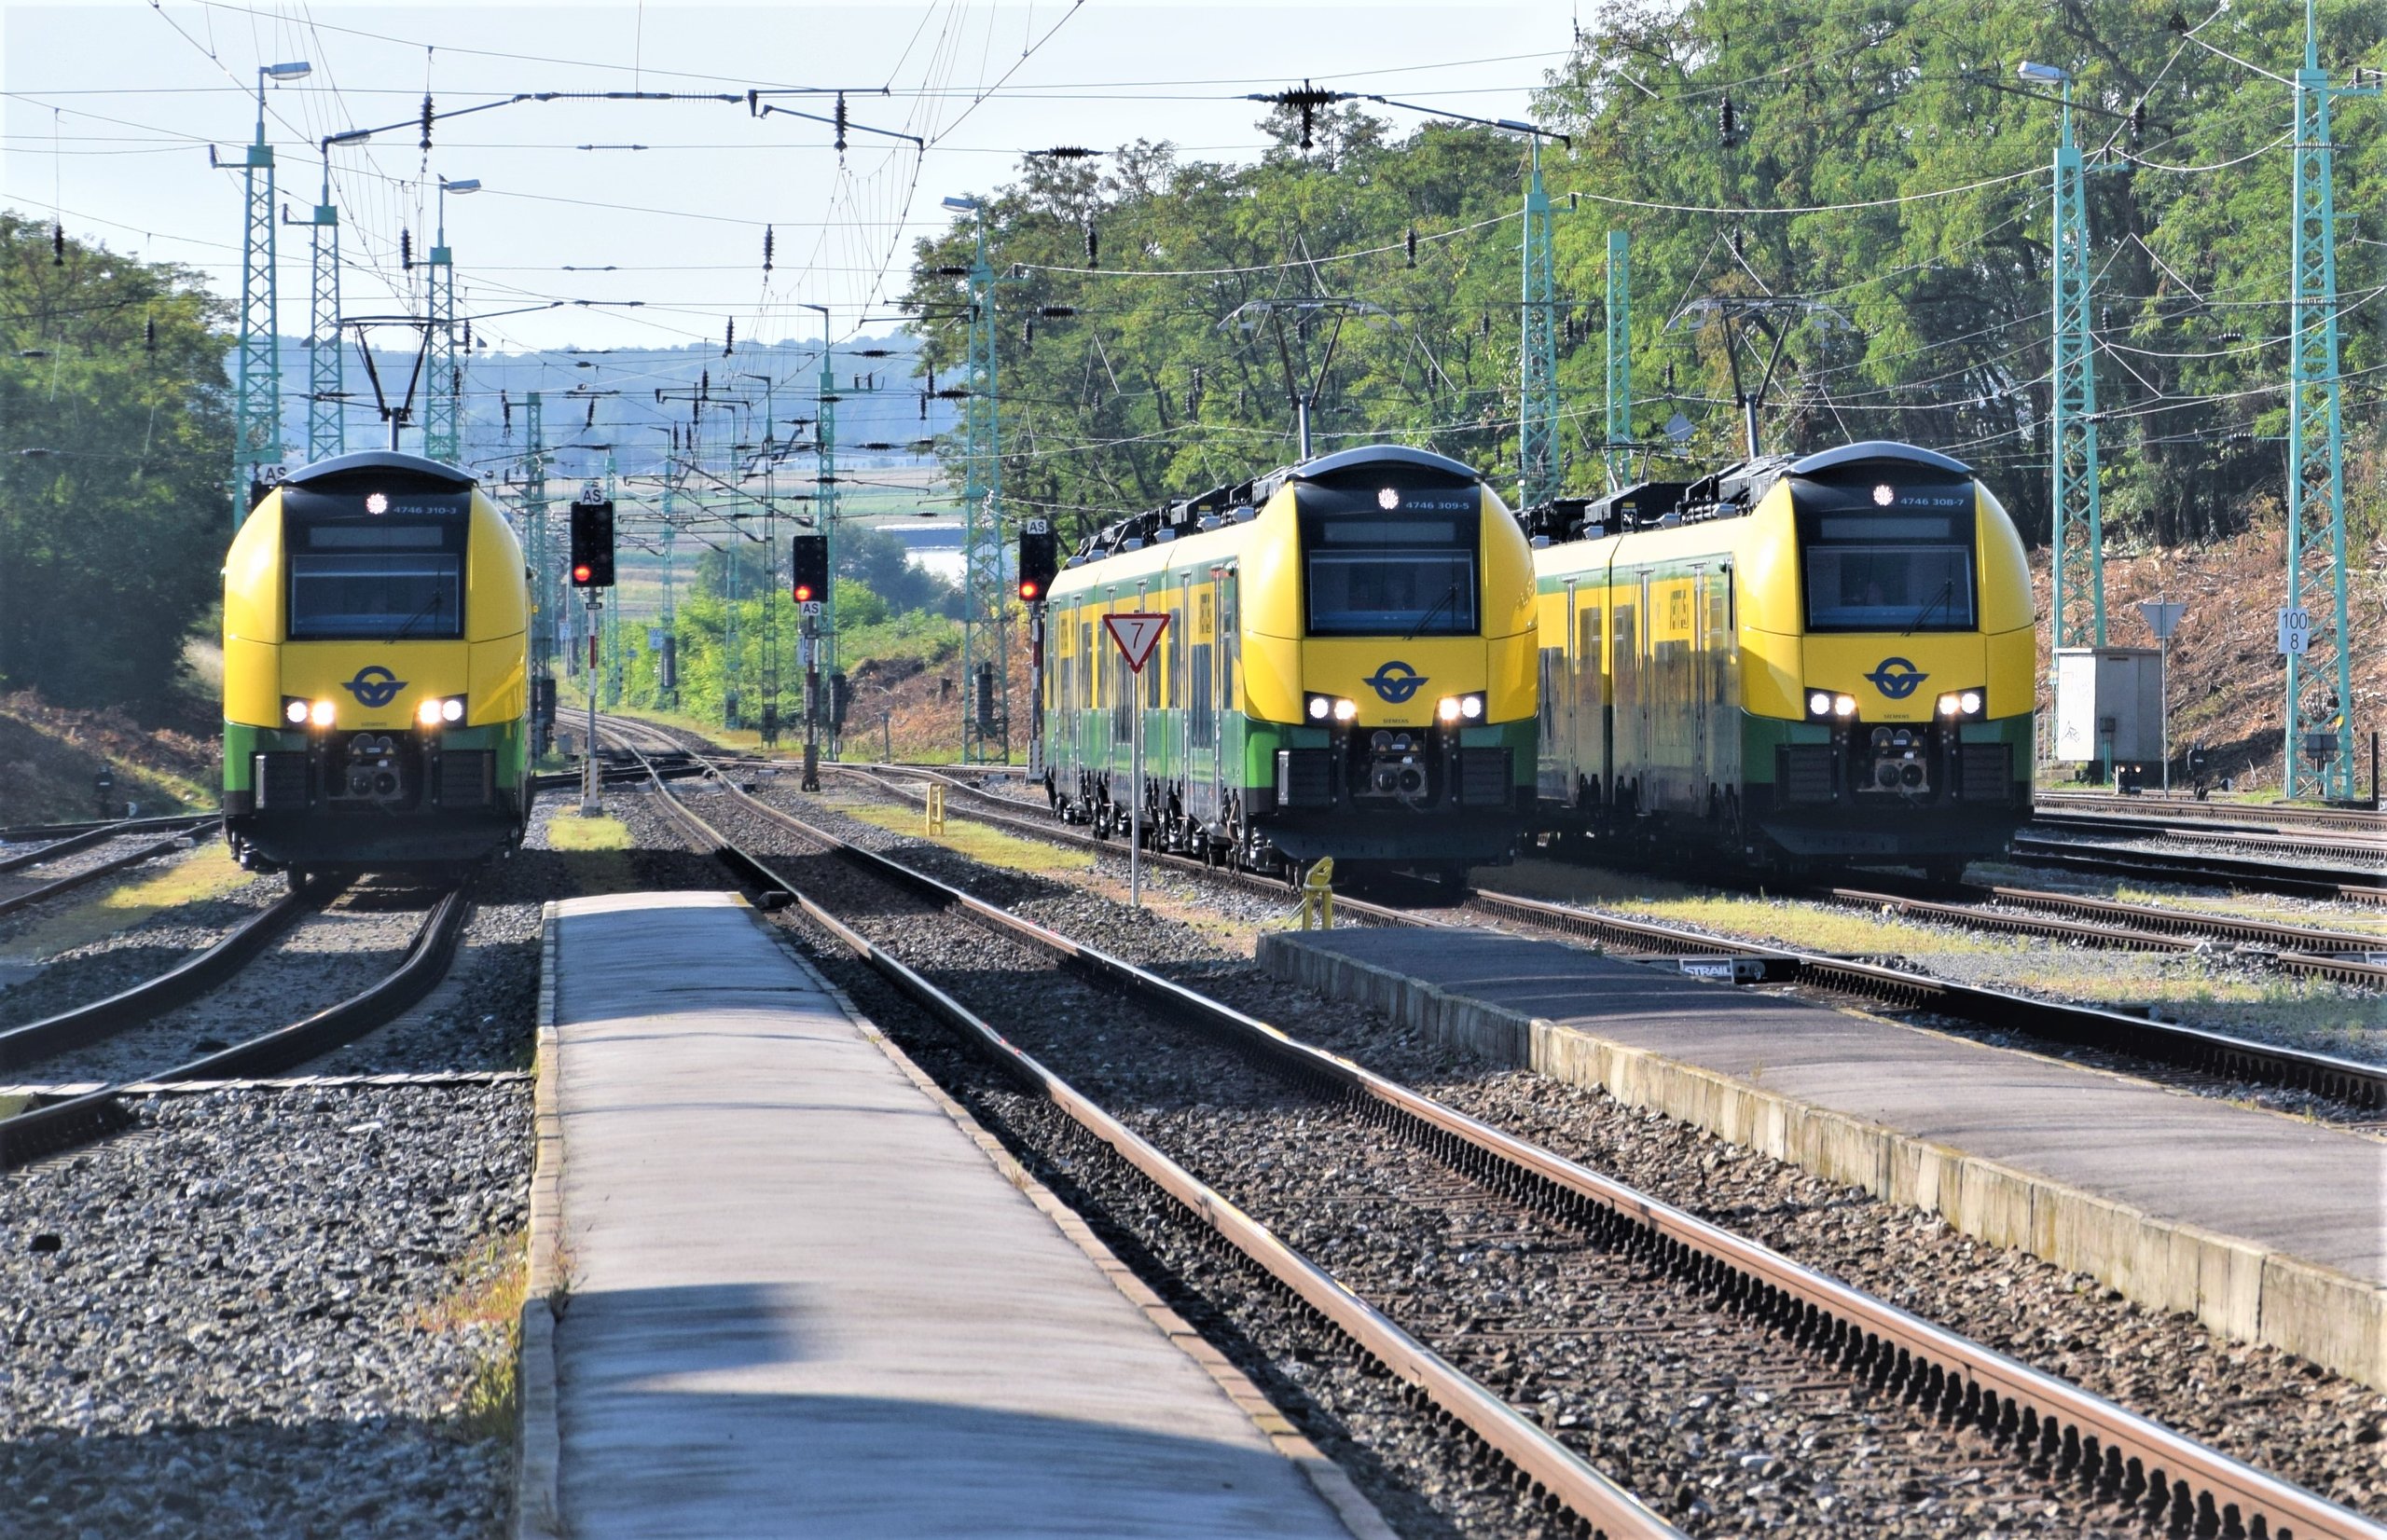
<point>2108,705</point>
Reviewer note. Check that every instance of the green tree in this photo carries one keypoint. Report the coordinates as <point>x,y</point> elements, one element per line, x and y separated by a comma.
<point>116,443</point>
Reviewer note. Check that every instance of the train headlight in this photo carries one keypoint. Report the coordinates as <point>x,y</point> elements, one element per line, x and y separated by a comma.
<point>1471,707</point>
<point>1344,711</point>
<point>1971,703</point>
<point>322,713</point>
<point>1961,703</point>
<point>1451,708</point>
<point>294,711</point>
<point>1844,706</point>
<point>428,712</point>
<point>1819,702</point>
<point>1321,708</point>
<point>1318,708</point>
<point>1446,709</point>
<point>434,709</point>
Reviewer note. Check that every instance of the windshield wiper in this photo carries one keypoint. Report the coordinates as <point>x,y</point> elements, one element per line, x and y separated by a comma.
<point>436,602</point>
<point>1947,591</point>
<point>1448,594</point>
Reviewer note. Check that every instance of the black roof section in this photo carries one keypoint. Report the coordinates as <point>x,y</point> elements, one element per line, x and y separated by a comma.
<point>1872,451</point>
<point>380,460</point>
<point>1378,454</point>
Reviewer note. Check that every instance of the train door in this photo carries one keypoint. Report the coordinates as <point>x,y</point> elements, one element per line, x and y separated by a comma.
<point>1645,775</point>
<point>1179,700</point>
<point>1590,704</point>
<point>1228,642</point>
<point>1697,671</point>
<point>1569,747</point>
<point>1724,681</point>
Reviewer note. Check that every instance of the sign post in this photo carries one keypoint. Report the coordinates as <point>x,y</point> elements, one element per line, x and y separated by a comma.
<point>592,801</point>
<point>1136,635</point>
<point>2162,618</point>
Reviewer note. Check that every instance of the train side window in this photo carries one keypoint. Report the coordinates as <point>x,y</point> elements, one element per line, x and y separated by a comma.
<point>1587,650</point>
<point>1202,715</point>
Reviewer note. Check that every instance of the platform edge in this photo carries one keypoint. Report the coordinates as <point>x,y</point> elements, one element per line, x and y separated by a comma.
<point>1349,1505</point>
<point>2235,1288</point>
<point>538,1445</point>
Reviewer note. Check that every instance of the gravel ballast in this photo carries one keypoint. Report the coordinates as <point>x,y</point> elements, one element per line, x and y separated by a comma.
<point>232,1321</point>
<point>2273,1411</point>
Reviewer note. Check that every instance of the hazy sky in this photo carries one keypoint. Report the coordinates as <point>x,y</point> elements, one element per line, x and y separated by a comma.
<point>111,105</point>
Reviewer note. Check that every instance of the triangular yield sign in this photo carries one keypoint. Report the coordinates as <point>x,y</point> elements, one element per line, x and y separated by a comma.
<point>1136,635</point>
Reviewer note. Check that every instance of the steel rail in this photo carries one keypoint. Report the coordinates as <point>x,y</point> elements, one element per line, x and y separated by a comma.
<point>2082,1438</point>
<point>187,981</point>
<point>2141,928</point>
<point>95,828</point>
<point>2284,843</point>
<point>2210,868</point>
<point>2250,816</point>
<point>2194,1049</point>
<point>83,839</point>
<point>1553,1469</point>
<point>48,890</point>
<point>48,1131</point>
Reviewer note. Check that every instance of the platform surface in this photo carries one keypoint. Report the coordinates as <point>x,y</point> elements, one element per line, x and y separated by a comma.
<point>804,1303</point>
<point>2308,1191</point>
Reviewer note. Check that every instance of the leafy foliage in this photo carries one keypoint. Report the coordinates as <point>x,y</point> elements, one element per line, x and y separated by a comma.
<point>115,451</point>
<point>1908,295</point>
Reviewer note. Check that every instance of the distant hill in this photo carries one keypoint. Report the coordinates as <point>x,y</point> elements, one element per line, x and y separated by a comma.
<point>886,408</point>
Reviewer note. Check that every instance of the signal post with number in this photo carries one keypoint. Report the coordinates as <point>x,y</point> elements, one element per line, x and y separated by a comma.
<point>1135,635</point>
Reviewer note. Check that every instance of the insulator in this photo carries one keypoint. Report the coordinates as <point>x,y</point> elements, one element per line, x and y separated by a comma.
<point>455,379</point>
<point>426,121</point>
<point>468,337</point>
<point>841,122</point>
<point>506,410</point>
<point>1727,124</point>
<point>729,339</point>
<point>924,405</point>
<point>591,420</point>
<point>149,334</point>
<point>1411,241</point>
<point>406,251</point>
<point>58,244</point>
<point>1093,246</point>
<point>766,248</point>
<point>1487,324</point>
<point>704,386</point>
<point>2137,122</point>
<point>1307,142</point>
<point>1738,249</point>
<point>1028,334</point>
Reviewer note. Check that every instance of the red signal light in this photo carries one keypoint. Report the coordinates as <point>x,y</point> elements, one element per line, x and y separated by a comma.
<point>803,593</point>
<point>581,574</point>
<point>1029,589</point>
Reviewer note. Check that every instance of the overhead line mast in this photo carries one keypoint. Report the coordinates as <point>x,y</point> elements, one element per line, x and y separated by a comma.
<point>2319,718</point>
<point>257,399</point>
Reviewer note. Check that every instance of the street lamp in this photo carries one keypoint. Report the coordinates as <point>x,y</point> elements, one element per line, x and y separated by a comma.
<point>297,69</point>
<point>460,187</point>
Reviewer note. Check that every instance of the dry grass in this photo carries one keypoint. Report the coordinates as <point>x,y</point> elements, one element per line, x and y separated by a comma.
<point>206,873</point>
<point>979,842</point>
<point>1780,922</point>
<point>486,1298</point>
<point>570,831</point>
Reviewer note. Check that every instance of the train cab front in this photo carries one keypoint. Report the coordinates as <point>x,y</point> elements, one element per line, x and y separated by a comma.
<point>1410,689</point>
<point>373,695</point>
<point>1911,701</point>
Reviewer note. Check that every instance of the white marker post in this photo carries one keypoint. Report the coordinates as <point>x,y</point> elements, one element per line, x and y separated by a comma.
<point>2163,618</point>
<point>1136,635</point>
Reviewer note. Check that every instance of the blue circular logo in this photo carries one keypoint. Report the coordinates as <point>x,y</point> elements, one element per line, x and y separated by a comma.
<point>1396,681</point>
<point>374,686</point>
<point>1896,678</point>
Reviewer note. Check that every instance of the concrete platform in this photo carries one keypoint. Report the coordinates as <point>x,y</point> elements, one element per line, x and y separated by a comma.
<point>803,1301</point>
<point>2269,1229</point>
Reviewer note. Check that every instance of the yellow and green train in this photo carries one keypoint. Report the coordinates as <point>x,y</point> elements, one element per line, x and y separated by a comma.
<point>1793,664</point>
<point>375,669</point>
<point>1348,669</point>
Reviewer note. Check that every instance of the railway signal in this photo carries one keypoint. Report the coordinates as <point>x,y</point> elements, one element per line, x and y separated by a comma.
<point>808,557</point>
<point>1039,559</point>
<point>592,545</point>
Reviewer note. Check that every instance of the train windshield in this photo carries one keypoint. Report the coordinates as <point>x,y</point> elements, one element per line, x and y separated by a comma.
<point>1888,569</point>
<point>1404,567</point>
<point>359,573</point>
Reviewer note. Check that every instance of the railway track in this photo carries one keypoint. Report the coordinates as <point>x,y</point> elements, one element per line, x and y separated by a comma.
<point>2216,868</point>
<point>58,1125</point>
<point>2221,1062</point>
<point>177,836</point>
<point>1784,1327</point>
<point>2268,818</point>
